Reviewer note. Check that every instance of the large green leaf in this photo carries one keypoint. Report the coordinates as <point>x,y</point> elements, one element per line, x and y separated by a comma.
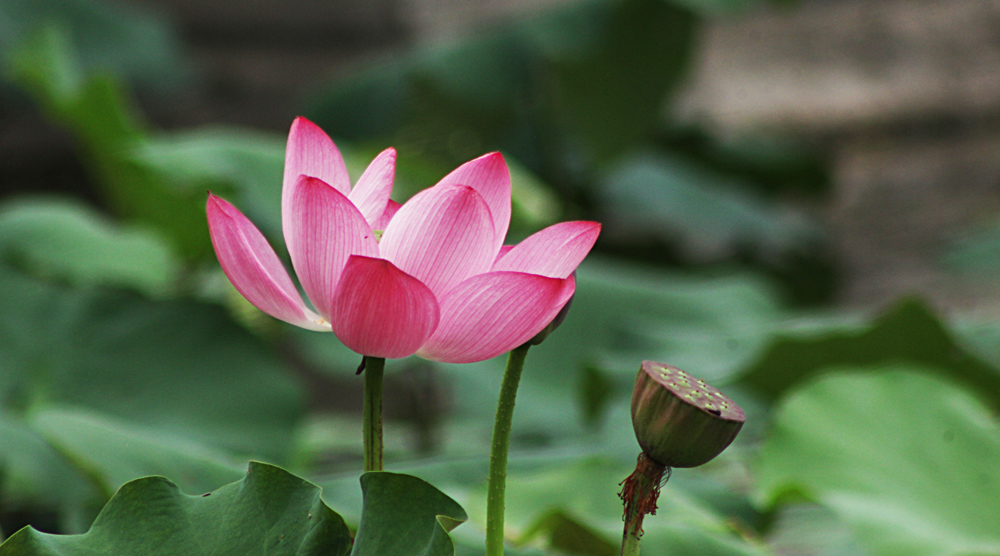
<point>907,332</point>
<point>908,460</point>
<point>270,512</point>
<point>405,516</point>
<point>112,452</point>
<point>181,367</point>
<point>66,240</point>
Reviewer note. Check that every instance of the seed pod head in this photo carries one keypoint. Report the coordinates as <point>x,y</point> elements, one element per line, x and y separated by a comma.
<point>679,420</point>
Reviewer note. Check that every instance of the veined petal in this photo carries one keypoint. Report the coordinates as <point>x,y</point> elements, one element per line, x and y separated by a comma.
<point>504,249</point>
<point>310,152</point>
<point>371,193</point>
<point>324,229</point>
<point>391,208</point>
<point>489,176</point>
<point>441,236</point>
<point>495,312</point>
<point>380,311</point>
<point>555,251</point>
<point>253,267</point>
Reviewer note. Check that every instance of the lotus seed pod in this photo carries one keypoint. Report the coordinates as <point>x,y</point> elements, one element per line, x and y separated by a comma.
<point>679,420</point>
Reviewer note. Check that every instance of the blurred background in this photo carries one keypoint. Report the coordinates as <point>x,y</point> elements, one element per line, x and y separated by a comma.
<point>800,199</point>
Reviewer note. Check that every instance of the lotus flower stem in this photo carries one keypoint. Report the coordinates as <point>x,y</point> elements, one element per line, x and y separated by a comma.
<point>372,409</point>
<point>640,492</point>
<point>498,453</point>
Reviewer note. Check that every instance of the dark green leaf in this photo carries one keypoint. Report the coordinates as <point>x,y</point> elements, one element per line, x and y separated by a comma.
<point>270,512</point>
<point>405,516</point>
<point>908,332</point>
<point>908,460</point>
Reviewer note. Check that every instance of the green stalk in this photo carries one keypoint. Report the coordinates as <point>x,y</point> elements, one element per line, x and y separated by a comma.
<point>498,453</point>
<point>640,491</point>
<point>372,409</point>
<point>630,545</point>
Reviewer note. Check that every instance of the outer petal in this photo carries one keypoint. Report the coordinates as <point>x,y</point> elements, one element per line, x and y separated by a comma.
<point>441,236</point>
<point>391,208</point>
<point>503,251</point>
<point>495,312</point>
<point>253,268</point>
<point>555,251</point>
<point>489,176</point>
<point>371,194</point>
<point>310,152</point>
<point>380,311</point>
<point>324,229</point>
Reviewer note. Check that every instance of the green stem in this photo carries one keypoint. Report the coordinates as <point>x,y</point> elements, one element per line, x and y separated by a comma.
<point>640,491</point>
<point>630,544</point>
<point>372,409</point>
<point>498,454</point>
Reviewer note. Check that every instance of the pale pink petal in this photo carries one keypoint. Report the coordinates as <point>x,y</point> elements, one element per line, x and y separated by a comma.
<point>310,152</point>
<point>380,311</point>
<point>503,251</point>
<point>391,208</point>
<point>441,236</point>
<point>325,229</point>
<point>372,191</point>
<point>493,313</point>
<point>555,251</point>
<point>489,176</point>
<point>253,267</point>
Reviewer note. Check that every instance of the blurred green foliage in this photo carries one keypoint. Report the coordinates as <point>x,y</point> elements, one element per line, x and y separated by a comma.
<point>582,96</point>
<point>123,352</point>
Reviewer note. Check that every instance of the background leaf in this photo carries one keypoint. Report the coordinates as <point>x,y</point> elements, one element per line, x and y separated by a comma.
<point>70,242</point>
<point>112,453</point>
<point>405,516</point>
<point>269,512</point>
<point>907,332</point>
<point>908,460</point>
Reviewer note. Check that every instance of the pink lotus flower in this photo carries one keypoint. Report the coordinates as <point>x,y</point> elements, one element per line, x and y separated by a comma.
<point>439,282</point>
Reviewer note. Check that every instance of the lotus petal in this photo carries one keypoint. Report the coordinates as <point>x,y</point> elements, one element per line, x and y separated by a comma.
<point>380,311</point>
